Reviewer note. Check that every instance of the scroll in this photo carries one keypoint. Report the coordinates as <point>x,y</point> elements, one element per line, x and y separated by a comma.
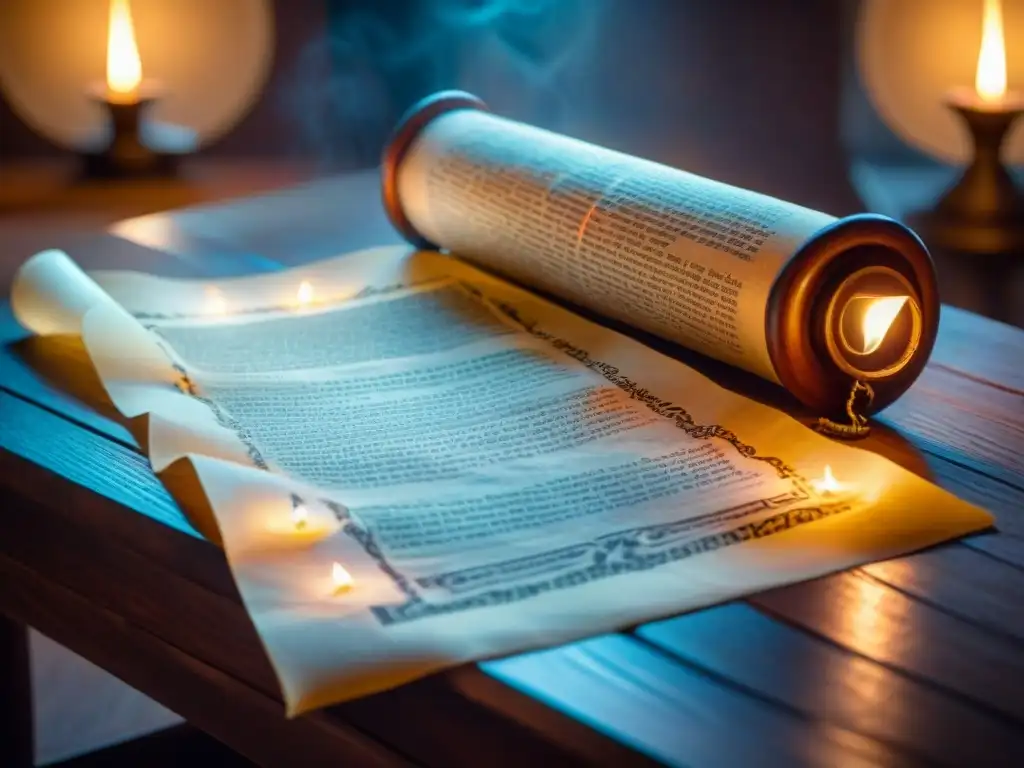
<point>419,458</point>
<point>827,308</point>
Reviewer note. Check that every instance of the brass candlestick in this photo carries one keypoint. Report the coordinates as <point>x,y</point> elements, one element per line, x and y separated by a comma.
<point>126,155</point>
<point>983,212</point>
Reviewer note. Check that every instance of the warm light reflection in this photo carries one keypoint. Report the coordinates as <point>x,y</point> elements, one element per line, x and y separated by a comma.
<point>990,78</point>
<point>342,579</point>
<point>215,302</point>
<point>878,318</point>
<point>827,483</point>
<point>300,516</point>
<point>305,293</point>
<point>124,67</point>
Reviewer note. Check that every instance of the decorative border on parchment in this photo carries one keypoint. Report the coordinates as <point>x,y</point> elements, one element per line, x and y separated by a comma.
<point>627,551</point>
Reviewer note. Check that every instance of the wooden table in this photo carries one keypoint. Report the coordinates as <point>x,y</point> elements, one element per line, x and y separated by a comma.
<point>918,660</point>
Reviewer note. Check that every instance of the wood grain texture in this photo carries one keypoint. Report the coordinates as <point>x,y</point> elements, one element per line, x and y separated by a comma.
<point>228,710</point>
<point>966,421</point>
<point>980,347</point>
<point>919,640</point>
<point>677,714</point>
<point>828,683</point>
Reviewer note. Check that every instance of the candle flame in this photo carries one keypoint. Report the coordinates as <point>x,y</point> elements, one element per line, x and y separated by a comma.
<point>342,579</point>
<point>828,482</point>
<point>124,67</point>
<point>305,293</point>
<point>300,516</point>
<point>878,319</point>
<point>990,78</point>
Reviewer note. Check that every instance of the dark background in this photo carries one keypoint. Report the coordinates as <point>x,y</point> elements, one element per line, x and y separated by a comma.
<point>744,91</point>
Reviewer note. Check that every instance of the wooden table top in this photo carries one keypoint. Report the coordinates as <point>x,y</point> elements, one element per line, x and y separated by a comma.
<point>914,661</point>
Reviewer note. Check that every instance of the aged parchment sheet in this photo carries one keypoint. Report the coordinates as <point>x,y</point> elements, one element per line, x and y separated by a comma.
<point>493,472</point>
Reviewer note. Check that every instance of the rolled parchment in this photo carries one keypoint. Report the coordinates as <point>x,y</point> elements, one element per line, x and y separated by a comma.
<point>819,305</point>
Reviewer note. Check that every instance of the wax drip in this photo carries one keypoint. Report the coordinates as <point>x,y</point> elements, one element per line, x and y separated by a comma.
<point>858,426</point>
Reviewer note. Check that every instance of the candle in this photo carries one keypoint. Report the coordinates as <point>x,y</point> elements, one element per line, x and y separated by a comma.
<point>215,304</point>
<point>124,97</point>
<point>304,295</point>
<point>124,67</point>
<point>990,93</point>
<point>827,485</point>
<point>301,525</point>
<point>341,579</point>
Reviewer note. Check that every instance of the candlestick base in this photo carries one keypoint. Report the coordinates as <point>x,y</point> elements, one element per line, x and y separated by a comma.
<point>983,212</point>
<point>126,156</point>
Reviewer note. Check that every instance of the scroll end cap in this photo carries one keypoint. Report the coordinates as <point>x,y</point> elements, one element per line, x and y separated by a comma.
<point>402,138</point>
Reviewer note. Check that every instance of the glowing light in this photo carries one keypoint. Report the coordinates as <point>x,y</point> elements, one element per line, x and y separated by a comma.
<point>305,293</point>
<point>827,483</point>
<point>878,319</point>
<point>215,302</point>
<point>124,67</point>
<point>341,578</point>
<point>300,516</point>
<point>990,78</point>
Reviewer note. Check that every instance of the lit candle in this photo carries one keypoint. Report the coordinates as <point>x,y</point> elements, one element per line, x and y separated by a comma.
<point>215,302</point>
<point>304,295</point>
<point>990,93</point>
<point>300,516</point>
<point>125,98</point>
<point>827,484</point>
<point>341,579</point>
<point>124,67</point>
<point>302,525</point>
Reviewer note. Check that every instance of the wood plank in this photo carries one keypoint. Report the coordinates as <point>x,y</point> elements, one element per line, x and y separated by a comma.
<point>1006,502</point>
<point>965,420</point>
<point>981,347</point>
<point>78,457</point>
<point>56,374</point>
<point>549,722</point>
<point>961,582</point>
<point>201,694</point>
<point>932,646</point>
<point>827,683</point>
<point>70,551</point>
<point>678,715</point>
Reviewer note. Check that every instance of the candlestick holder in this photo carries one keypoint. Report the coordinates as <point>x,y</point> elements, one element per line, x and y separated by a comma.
<point>125,154</point>
<point>983,212</point>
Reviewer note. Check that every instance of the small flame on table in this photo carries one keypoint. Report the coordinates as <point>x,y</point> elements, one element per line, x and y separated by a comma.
<point>304,295</point>
<point>300,516</point>
<point>827,483</point>
<point>215,302</point>
<point>341,578</point>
